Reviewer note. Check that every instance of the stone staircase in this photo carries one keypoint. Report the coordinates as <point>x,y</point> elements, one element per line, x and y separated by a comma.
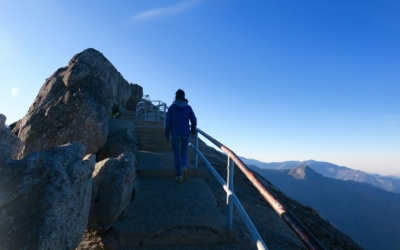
<point>165,214</point>
<point>150,132</point>
<point>151,136</point>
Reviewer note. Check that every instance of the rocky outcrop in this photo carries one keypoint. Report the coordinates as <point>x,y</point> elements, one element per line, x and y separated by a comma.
<point>3,119</point>
<point>120,139</point>
<point>10,145</point>
<point>136,96</point>
<point>304,172</point>
<point>113,183</point>
<point>74,104</point>
<point>45,199</point>
<point>93,240</point>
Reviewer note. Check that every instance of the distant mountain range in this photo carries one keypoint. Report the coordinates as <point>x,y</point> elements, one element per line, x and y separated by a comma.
<point>368,214</point>
<point>389,183</point>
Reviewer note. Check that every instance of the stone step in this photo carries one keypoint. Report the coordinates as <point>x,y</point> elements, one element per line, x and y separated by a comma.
<point>226,246</point>
<point>156,147</point>
<point>167,213</point>
<point>128,118</point>
<point>155,134</point>
<point>139,118</point>
<point>152,130</point>
<point>129,113</point>
<point>151,116</point>
<point>149,123</point>
<point>153,140</point>
<point>159,163</point>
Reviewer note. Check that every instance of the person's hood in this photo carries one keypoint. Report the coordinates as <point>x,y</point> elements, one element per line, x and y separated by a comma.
<point>180,103</point>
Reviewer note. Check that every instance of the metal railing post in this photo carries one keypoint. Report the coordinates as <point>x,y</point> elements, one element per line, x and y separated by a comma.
<point>196,145</point>
<point>242,213</point>
<point>158,113</point>
<point>229,203</point>
<point>165,109</point>
<point>304,235</point>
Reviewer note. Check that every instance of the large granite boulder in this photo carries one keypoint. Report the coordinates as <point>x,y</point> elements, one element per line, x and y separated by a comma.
<point>136,96</point>
<point>113,184</point>
<point>121,138</point>
<point>45,199</point>
<point>10,144</point>
<point>74,104</point>
<point>93,240</point>
<point>3,119</point>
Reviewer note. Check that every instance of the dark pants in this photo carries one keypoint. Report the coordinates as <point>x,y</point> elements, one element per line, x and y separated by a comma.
<point>180,145</point>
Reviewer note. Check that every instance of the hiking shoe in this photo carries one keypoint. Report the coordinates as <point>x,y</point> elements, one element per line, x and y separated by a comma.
<point>178,179</point>
<point>185,174</point>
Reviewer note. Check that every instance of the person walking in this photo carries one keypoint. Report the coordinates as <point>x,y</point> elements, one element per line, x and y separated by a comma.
<point>177,125</point>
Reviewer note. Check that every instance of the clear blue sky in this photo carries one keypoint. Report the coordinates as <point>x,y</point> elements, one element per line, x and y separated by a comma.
<point>273,80</point>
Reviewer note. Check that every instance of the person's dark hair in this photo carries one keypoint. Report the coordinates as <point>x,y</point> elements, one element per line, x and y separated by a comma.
<point>180,95</point>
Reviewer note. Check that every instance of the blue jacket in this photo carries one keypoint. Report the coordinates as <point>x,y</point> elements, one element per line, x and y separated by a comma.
<point>177,120</point>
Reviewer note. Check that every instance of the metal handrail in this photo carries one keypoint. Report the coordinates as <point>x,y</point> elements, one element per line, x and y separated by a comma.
<point>160,107</point>
<point>233,200</point>
<point>305,236</point>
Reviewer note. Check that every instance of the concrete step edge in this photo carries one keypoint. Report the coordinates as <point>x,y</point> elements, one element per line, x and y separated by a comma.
<point>197,236</point>
<point>165,172</point>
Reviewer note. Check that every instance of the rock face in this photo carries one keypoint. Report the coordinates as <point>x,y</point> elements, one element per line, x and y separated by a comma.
<point>74,104</point>
<point>304,172</point>
<point>3,119</point>
<point>113,183</point>
<point>10,145</point>
<point>120,139</point>
<point>136,96</point>
<point>45,199</point>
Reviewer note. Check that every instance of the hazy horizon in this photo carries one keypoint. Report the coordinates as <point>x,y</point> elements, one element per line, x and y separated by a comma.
<point>277,162</point>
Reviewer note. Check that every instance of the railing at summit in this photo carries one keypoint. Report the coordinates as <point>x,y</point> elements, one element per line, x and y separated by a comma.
<point>152,108</point>
<point>305,236</point>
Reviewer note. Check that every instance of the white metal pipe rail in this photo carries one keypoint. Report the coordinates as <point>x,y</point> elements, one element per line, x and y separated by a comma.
<point>304,235</point>
<point>161,107</point>
<point>232,200</point>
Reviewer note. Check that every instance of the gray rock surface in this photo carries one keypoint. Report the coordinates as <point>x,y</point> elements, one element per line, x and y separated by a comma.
<point>121,138</point>
<point>112,151</point>
<point>3,119</point>
<point>113,184</point>
<point>90,241</point>
<point>167,213</point>
<point>74,104</point>
<point>93,240</point>
<point>45,199</point>
<point>136,96</point>
<point>10,144</point>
